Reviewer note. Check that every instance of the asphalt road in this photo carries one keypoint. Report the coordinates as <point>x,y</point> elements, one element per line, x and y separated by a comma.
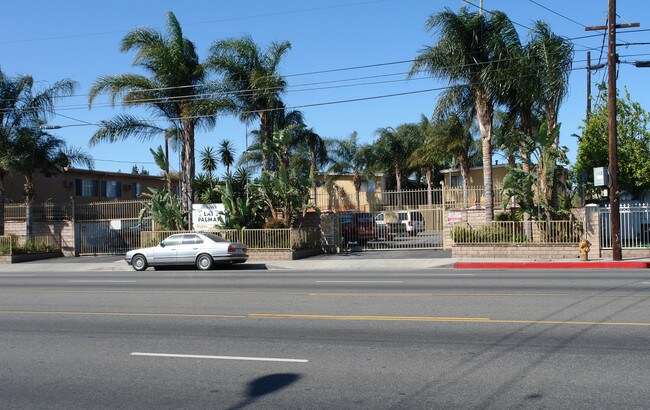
<point>288,339</point>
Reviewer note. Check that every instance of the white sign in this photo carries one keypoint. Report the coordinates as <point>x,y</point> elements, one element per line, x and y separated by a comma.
<point>454,217</point>
<point>601,176</point>
<point>206,216</point>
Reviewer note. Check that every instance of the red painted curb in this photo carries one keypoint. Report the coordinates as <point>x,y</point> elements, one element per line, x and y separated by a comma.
<point>553,265</point>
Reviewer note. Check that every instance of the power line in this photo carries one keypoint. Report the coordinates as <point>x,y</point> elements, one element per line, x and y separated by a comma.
<point>556,13</point>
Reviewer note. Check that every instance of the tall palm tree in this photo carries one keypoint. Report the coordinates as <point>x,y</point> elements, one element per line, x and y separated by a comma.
<point>175,91</point>
<point>393,148</point>
<point>427,156</point>
<point>226,153</point>
<point>209,163</point>
<point>252,76</point>
<point>37,151</point>
<point>14,93</point>
<point>349,156</point>
<point>473,50</point>
<point>22,108</point>
<point>553,56</point>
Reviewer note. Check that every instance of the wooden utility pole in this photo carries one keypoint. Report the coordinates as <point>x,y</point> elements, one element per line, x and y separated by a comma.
<point>588,84</point>
<point>612,60</point>
<point>615,216</point>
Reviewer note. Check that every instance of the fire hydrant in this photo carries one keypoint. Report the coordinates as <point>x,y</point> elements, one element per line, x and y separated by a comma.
<point>584,247</point>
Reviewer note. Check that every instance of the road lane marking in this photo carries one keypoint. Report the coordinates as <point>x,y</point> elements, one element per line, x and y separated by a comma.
<point>73,313</point>
<point>102,281</point>
<point>196,356</point>
<point>331,294</point>
<point>481,320</point>
<point>359,281</point>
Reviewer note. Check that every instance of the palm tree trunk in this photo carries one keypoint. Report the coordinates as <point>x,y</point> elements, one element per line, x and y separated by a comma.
<point>429,177</point>
<point>267,137</point>
<point>168,178</point>
<point>398,180</point>
<point>187,193</point>
<point>464,173</point>
<point>28,194</point>
<point>484,111</point>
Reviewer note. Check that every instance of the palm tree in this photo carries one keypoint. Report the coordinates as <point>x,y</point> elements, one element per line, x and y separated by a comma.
<point>175,91</point>
<point>14,93</point>
<point>553,55</point>
<point>393,148</point>
<point>20,109</point>
<point>209,163</point>
<point>226,153</point>
<point>472,52</point>
<point>426,156</point>
<point>351,157</point>
<point>252,76</point>
<point>37,151</point>
<point>161,158</point>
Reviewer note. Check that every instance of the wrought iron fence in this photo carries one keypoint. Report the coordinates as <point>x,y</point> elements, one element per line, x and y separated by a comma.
<point>509,232</point>
<point>267,239</point>
<point>341,200</point>
<point>14,244</point>
<point>635,226</point>
<point>58,211</point>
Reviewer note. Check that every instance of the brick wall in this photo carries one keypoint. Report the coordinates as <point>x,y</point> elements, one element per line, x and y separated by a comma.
<point>542,251</point>
<point>62,229</point>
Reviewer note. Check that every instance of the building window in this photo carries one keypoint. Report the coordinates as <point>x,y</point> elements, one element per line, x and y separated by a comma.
<point>137,189</point>
<point>456,181</point>
<point>111,189</point>
<point>86,187</point>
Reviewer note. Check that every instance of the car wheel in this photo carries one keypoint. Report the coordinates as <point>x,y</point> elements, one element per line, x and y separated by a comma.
<point>204,262</point>
<point>139,262</point>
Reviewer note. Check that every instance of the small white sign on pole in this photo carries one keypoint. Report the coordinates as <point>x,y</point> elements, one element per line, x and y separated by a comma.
<point>206,216</point>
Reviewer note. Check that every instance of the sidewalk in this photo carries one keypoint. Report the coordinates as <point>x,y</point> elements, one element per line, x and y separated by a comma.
<point>364,261</point>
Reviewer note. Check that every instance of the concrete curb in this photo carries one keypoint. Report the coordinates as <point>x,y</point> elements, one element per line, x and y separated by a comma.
<point>554,265</point>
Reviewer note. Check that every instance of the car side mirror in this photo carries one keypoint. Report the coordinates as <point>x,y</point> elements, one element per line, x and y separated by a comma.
<point>162,244</point>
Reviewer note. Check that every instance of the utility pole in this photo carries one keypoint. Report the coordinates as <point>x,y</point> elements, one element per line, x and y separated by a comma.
<point>588,84</point>
<point>612,60</point>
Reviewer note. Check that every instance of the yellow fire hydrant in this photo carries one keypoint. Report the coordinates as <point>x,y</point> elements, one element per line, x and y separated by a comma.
<point>584,247</point>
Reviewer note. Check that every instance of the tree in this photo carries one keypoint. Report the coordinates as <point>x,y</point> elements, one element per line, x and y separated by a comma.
<point>472,52</point>
<point>176,91</point>
<point>453,137</point>
<point>15,93</point>
<point>633,131</point>
<point>226,153</point>
<point>427,156</point>
<point>37,151</point>
<point>22,112</point>
<point>252,76</point>
<point>393,148</point>
<point>349,156</point>
<point>209,163</point>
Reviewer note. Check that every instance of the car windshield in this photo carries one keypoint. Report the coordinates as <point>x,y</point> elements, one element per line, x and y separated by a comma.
<point>172,240</point>
<point>215,238</point>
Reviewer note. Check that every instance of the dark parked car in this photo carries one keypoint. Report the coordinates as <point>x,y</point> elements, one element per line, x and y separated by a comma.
<point>357,227</point>
<point>202,250</point>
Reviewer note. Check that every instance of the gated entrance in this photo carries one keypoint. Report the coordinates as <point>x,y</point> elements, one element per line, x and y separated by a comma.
<point>389,229</point>
<point>109,237</point>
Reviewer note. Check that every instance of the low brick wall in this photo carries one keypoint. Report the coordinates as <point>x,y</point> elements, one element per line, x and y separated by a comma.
<point>281,255</point>
<point>627,253</point>
<point>27,257</point>
<point>62,229</point>
<point>516,251</point>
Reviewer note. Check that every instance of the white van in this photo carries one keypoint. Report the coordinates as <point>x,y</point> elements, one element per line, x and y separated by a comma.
<point>412,220</point>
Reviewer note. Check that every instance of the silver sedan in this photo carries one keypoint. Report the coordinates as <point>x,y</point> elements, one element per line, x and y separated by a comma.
<point>203,250</point>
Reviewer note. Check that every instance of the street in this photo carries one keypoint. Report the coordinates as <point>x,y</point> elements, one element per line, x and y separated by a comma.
<point>256,338</point>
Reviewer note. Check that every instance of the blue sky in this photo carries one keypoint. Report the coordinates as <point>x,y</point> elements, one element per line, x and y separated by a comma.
<point>51,40</point>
